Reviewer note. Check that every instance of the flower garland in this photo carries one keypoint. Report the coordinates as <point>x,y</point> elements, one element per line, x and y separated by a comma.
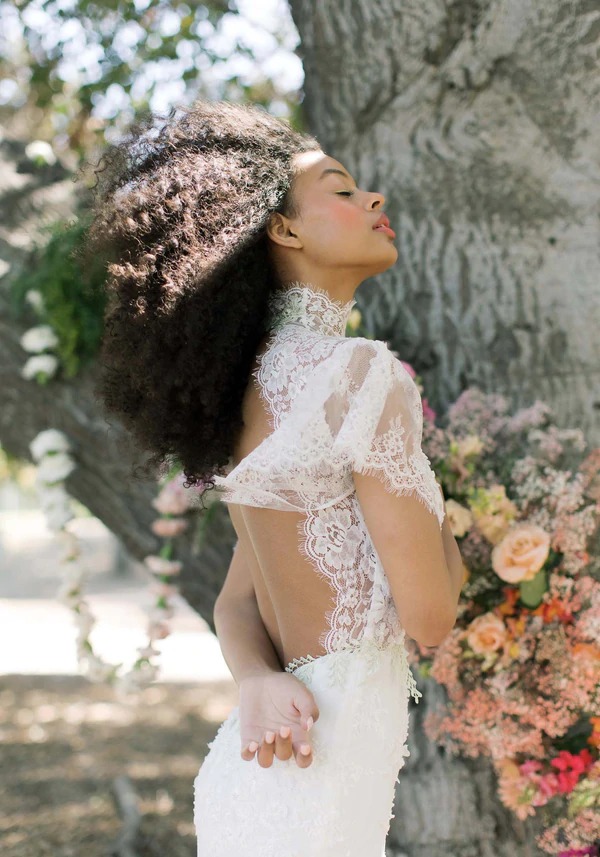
<point>522,665</point>
<point>51,451</point>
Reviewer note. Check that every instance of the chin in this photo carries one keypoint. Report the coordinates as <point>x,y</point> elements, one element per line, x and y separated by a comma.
<point>386,261</point>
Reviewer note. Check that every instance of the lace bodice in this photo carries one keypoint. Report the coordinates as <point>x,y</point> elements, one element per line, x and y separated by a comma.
<point>338,404</point>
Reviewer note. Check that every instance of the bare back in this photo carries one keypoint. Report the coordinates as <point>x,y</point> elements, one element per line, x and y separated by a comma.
<point>319,408</point>
<point>292,599</point>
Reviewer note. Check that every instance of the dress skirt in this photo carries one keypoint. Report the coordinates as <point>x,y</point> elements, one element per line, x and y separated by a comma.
<point>341,805</point>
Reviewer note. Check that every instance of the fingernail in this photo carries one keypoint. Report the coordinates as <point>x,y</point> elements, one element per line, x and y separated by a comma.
<point>269,737</point>
<point>305,749</point>
<point>252,746</point>
<point>309,723</point>
<point>285,731</point>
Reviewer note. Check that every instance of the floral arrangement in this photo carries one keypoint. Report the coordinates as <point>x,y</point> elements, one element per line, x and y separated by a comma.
<point>522,665</point>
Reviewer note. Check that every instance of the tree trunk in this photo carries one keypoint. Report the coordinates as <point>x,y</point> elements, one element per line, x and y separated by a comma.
<point>478,121</point>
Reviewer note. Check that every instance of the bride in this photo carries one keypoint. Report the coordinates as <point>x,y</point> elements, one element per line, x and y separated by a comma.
<point>238,245</point>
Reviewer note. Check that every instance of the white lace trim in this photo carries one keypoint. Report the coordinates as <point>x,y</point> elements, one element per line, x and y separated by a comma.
<point>309,305</point>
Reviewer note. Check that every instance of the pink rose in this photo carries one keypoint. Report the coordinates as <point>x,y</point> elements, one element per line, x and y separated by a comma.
<point>487,633</point>
<point>521,553</point>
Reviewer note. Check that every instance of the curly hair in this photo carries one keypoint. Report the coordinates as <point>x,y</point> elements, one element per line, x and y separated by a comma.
<point>180,212</point>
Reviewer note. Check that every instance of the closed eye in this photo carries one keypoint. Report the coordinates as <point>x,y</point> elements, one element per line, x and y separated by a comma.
<point>346,192</point>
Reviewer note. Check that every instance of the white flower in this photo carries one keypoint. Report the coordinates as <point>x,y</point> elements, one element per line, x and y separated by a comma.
<point>55,468</point>
<point>35,299</point>
<point>75,574</point>
<point>39,338</point>
<point>51,495</point>
<point>97,669</point>
<point>49,440</point>
<point>84,622</point>
<point>57,517</point>
<point>147,651</point>
<point>68,593</point>
<point>70,543</point>
<point>40,364</point>
<point>41,152</point>
<point>159,565</point>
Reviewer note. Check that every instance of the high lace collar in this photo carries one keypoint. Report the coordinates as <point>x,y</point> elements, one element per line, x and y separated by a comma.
<point>309,305</point>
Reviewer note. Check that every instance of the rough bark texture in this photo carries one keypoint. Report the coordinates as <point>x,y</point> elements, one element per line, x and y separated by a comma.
<point>479,122</point>
<point>102,480</point>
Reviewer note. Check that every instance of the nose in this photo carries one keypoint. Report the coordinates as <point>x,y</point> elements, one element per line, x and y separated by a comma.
<point>377,199</point>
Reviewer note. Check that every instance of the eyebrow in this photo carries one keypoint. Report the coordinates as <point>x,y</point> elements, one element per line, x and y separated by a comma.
<point>333,170</point>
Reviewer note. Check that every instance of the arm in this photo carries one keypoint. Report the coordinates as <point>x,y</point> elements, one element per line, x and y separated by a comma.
<point>245,643</point>
<point>452,554</point>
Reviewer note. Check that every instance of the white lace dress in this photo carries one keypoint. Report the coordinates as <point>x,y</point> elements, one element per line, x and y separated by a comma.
<point>339,404</point>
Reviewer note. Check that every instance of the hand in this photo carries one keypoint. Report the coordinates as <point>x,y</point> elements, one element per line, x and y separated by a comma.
<point>270,704</point>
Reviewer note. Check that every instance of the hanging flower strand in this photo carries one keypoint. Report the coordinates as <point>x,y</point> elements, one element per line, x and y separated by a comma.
<point>51,450</point>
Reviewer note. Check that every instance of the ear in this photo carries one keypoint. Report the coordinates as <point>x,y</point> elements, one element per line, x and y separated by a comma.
<point>280,232</point>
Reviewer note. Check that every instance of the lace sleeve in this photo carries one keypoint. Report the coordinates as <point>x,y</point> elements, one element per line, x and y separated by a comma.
<point>380,425</point>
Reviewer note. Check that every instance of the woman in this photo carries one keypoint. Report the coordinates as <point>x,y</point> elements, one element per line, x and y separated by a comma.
<point>238,245</point>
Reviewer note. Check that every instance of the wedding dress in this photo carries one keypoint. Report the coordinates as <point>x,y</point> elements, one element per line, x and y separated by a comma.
<point>339,404</point>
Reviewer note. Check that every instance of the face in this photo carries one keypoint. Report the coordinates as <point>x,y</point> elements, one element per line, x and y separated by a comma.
<point>334,227</point>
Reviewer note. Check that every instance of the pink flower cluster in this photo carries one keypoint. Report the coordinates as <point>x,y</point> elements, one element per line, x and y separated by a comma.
<point>522,665</point>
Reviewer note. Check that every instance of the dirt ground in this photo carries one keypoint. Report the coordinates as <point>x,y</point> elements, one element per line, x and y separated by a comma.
<point>62,741</point>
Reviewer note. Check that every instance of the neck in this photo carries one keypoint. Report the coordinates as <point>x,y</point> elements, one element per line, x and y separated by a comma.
<point>309,305</point>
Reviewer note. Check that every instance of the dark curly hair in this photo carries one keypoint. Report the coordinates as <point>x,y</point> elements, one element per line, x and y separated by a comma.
<point>180,211</point>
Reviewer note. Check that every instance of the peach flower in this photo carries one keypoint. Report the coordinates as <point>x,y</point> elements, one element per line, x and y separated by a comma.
<point>521,553</point>
<point>459,516</point>
<point>163,590</point>
<point>169,527</point>
<point>487,633</point>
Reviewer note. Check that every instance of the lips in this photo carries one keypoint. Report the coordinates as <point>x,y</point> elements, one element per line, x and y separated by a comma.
<point>383,225</point>
<point>383,219</point>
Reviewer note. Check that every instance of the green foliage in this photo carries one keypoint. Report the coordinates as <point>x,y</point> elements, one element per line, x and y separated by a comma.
<point>74,299</point>
<point>89,64</point>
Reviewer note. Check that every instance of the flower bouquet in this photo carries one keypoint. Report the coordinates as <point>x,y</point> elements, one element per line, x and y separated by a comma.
<point>521,667</point>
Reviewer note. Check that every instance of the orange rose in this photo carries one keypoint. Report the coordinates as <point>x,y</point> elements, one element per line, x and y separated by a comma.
<point>486,634</point>
<point>521,553</point>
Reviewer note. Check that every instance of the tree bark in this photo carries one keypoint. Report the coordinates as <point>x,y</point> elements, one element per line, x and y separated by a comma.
<point>478,121</point>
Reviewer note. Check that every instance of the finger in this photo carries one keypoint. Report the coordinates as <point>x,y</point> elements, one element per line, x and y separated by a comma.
<point>249,751</point>
<point>266,749</point>
<point>303,759</point>
<point>309,714</point>
<point>283,743</point>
